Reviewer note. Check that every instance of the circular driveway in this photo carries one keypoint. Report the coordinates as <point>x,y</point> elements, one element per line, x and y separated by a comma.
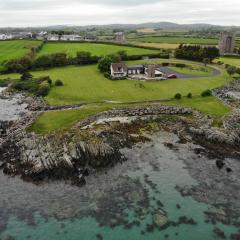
<point>168,71</point>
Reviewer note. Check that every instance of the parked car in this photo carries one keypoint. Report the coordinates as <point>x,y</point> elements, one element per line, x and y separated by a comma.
<point>172,76</point>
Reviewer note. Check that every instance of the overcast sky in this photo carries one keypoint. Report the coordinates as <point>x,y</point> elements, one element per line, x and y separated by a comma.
<point>15,13</point>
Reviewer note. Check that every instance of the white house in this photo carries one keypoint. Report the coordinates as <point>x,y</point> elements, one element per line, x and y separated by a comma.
<point>148,71</point>
<point>72,37</point>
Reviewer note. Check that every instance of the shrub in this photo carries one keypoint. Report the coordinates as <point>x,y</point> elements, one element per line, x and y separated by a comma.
<point>189,95</point>
<point>58,83</point>
<point>165,64</point>
<point>180,65</point>
<point>26,76</point>
<point>231,70</point>
<point>178,96</point>
<point>43,89</point>
<point>206,93</point>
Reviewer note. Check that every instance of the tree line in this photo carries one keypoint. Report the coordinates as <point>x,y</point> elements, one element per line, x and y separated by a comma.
<point>29,62</point>
<point>197,53</point>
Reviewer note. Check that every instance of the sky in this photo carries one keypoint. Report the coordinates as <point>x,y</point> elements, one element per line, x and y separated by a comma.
<point>27,13</point>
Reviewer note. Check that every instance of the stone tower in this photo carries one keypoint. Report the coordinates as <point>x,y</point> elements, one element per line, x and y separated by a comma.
<point>120,36</point>
<point>226,43</point>
<point>151,70</point>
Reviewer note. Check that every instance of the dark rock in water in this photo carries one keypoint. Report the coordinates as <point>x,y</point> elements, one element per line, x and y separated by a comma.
<point>185,220</point>
<point>220,164</point>
<point>220,233</point>
<point>178,206</point>
<point>99,236</point>
<point>150,227</point>
<point>235,236</point>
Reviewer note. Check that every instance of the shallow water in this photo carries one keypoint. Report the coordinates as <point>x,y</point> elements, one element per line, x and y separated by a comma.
<point>12,108</point>
<point>120,203</point>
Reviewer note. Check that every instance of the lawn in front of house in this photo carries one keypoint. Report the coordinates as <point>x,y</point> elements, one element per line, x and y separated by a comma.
<point>87,84</point>
<point>95,49</point>
<point>84,84</point>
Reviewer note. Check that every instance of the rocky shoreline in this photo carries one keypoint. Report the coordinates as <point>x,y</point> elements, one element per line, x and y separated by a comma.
<point>95,143</point>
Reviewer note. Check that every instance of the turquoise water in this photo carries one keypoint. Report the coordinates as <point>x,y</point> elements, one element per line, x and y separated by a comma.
<point>121,203</point>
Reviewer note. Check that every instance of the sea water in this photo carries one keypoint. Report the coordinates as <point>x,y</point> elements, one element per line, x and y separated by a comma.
<point>118,203</point>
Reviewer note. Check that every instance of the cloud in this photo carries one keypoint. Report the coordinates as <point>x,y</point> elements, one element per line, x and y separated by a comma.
<point>82,12</point>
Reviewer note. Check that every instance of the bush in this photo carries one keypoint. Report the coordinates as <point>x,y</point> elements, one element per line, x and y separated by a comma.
<point>180,65</point>
<point>178,96</point>
<point>26,76</point>
<point>189,95</point>
<point>165,64</point>
<point>43,89</point>
<point>231,70</point>
<point>58,83</point>
<point>206,93</point>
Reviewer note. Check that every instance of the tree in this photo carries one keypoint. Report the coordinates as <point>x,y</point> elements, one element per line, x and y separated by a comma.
<point>178,96</point>
<point>43,89</point>
<point>104,64</point>
<point>189,95</point>
<point>206,93</point>
<point>123,55</point>
<point>196,53</point>
<point>206,61</point>
<point>83,58</point>
<point>58,83</point>
<point>231,70</point>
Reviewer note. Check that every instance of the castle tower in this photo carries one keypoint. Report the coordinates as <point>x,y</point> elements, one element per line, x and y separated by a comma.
<point>151,70</point>
<point>226,43</point>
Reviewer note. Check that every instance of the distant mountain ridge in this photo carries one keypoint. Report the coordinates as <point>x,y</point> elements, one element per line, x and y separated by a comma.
<point>155,25</point>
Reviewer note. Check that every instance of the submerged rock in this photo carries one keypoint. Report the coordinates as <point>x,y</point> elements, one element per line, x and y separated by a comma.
<point>160,219</point>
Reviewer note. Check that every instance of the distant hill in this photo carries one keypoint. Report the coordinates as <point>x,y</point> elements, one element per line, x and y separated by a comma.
<point>156,25</point>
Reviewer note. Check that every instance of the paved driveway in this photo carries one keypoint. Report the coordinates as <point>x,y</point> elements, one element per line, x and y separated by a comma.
<point>168,71</point>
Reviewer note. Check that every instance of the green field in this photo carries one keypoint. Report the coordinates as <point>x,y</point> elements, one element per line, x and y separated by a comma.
<point>96,49</point>
<point>15,48</point>
<point>87,84</point>
<point>177,40</point>
<point>157,45</point>
<point>235,61</point>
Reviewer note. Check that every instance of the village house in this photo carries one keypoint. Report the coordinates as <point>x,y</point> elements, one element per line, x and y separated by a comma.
<point>120,36</point>
<point>72,37</point>
<point>148,71</point>
<point>52,37</point>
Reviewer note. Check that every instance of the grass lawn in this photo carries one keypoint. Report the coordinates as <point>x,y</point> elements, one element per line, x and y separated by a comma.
<point>195,70</point>
<point>96,49</point>
<point>61,120</point>
<point>177,40</point>
<point>86,84</point>
<point>15,48</point>
<point>235,61</point>
<point>58,121</point>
